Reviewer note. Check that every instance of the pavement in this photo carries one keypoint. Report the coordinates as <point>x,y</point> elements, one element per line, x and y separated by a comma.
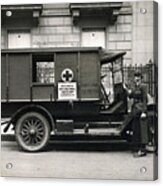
<point>80,160</point>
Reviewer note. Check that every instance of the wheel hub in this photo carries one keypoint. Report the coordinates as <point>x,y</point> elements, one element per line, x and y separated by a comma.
<point>32,131</point>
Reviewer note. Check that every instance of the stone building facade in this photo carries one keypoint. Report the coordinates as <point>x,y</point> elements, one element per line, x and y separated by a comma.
<point>126,26</point>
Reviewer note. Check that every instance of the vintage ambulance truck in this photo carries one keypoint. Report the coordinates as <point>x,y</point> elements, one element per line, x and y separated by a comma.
<point>64,92</point>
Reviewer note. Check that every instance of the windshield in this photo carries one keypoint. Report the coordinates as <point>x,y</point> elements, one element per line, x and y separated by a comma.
<point>107,81</point>
<point>117,70</point>
<point>111,75</point>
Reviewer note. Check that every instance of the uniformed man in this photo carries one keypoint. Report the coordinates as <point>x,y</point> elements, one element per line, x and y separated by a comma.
<point>138,115</point>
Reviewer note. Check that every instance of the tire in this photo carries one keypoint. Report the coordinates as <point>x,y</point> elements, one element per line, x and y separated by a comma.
<point>32,132</point>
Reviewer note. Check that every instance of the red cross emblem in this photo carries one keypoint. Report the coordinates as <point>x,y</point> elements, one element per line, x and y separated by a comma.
<point>67,75</point>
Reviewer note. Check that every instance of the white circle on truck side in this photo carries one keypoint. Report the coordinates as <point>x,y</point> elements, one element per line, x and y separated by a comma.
<point>67,75</point>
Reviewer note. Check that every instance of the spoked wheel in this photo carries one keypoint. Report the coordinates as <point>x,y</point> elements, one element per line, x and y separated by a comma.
<point>32,131</point>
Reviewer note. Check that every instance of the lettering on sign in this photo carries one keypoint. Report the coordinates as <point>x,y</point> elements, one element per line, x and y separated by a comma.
<point>67,91</point>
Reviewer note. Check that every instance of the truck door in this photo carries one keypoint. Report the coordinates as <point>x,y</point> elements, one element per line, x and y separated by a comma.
<point>67,75</point>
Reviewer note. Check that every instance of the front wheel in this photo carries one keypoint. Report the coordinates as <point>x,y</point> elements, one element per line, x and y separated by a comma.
<point>32,131</point>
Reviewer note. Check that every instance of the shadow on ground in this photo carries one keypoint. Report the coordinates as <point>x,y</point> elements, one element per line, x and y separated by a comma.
<point>88,147</point>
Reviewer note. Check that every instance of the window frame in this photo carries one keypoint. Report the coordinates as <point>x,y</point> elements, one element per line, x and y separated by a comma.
<point>37,58</point>
<point>17,30</point>
<point>95,28</point>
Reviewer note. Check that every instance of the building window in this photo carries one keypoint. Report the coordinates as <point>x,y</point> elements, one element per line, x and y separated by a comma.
<point>92,37</point>
<point>43,69</point>
<point>19,39</point>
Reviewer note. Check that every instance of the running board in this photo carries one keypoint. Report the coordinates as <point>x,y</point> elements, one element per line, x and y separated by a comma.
<point>69,127</point>
<point>92,132</point>
<point>87,141</point>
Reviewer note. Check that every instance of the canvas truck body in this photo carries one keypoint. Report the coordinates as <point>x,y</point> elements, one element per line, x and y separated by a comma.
<point>19,84</point>
<point>61,88</point>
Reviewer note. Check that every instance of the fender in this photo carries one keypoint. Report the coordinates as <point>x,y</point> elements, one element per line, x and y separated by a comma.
<point>32,107</point>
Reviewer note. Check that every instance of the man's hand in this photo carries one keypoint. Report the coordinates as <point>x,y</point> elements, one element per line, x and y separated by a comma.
<point>143,115</point>
<point>129,91</point>
<point>124,86</point>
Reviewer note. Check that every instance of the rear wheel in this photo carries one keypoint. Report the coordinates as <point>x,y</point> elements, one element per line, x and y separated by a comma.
<point>32,132</point>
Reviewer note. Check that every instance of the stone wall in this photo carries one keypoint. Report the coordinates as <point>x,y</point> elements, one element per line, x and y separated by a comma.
<point>55,32</point>
<point>55,28</point>
<point>120,36</point>
<point>3,39</point>
<point>142,32</point>
<point>132,32</point>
